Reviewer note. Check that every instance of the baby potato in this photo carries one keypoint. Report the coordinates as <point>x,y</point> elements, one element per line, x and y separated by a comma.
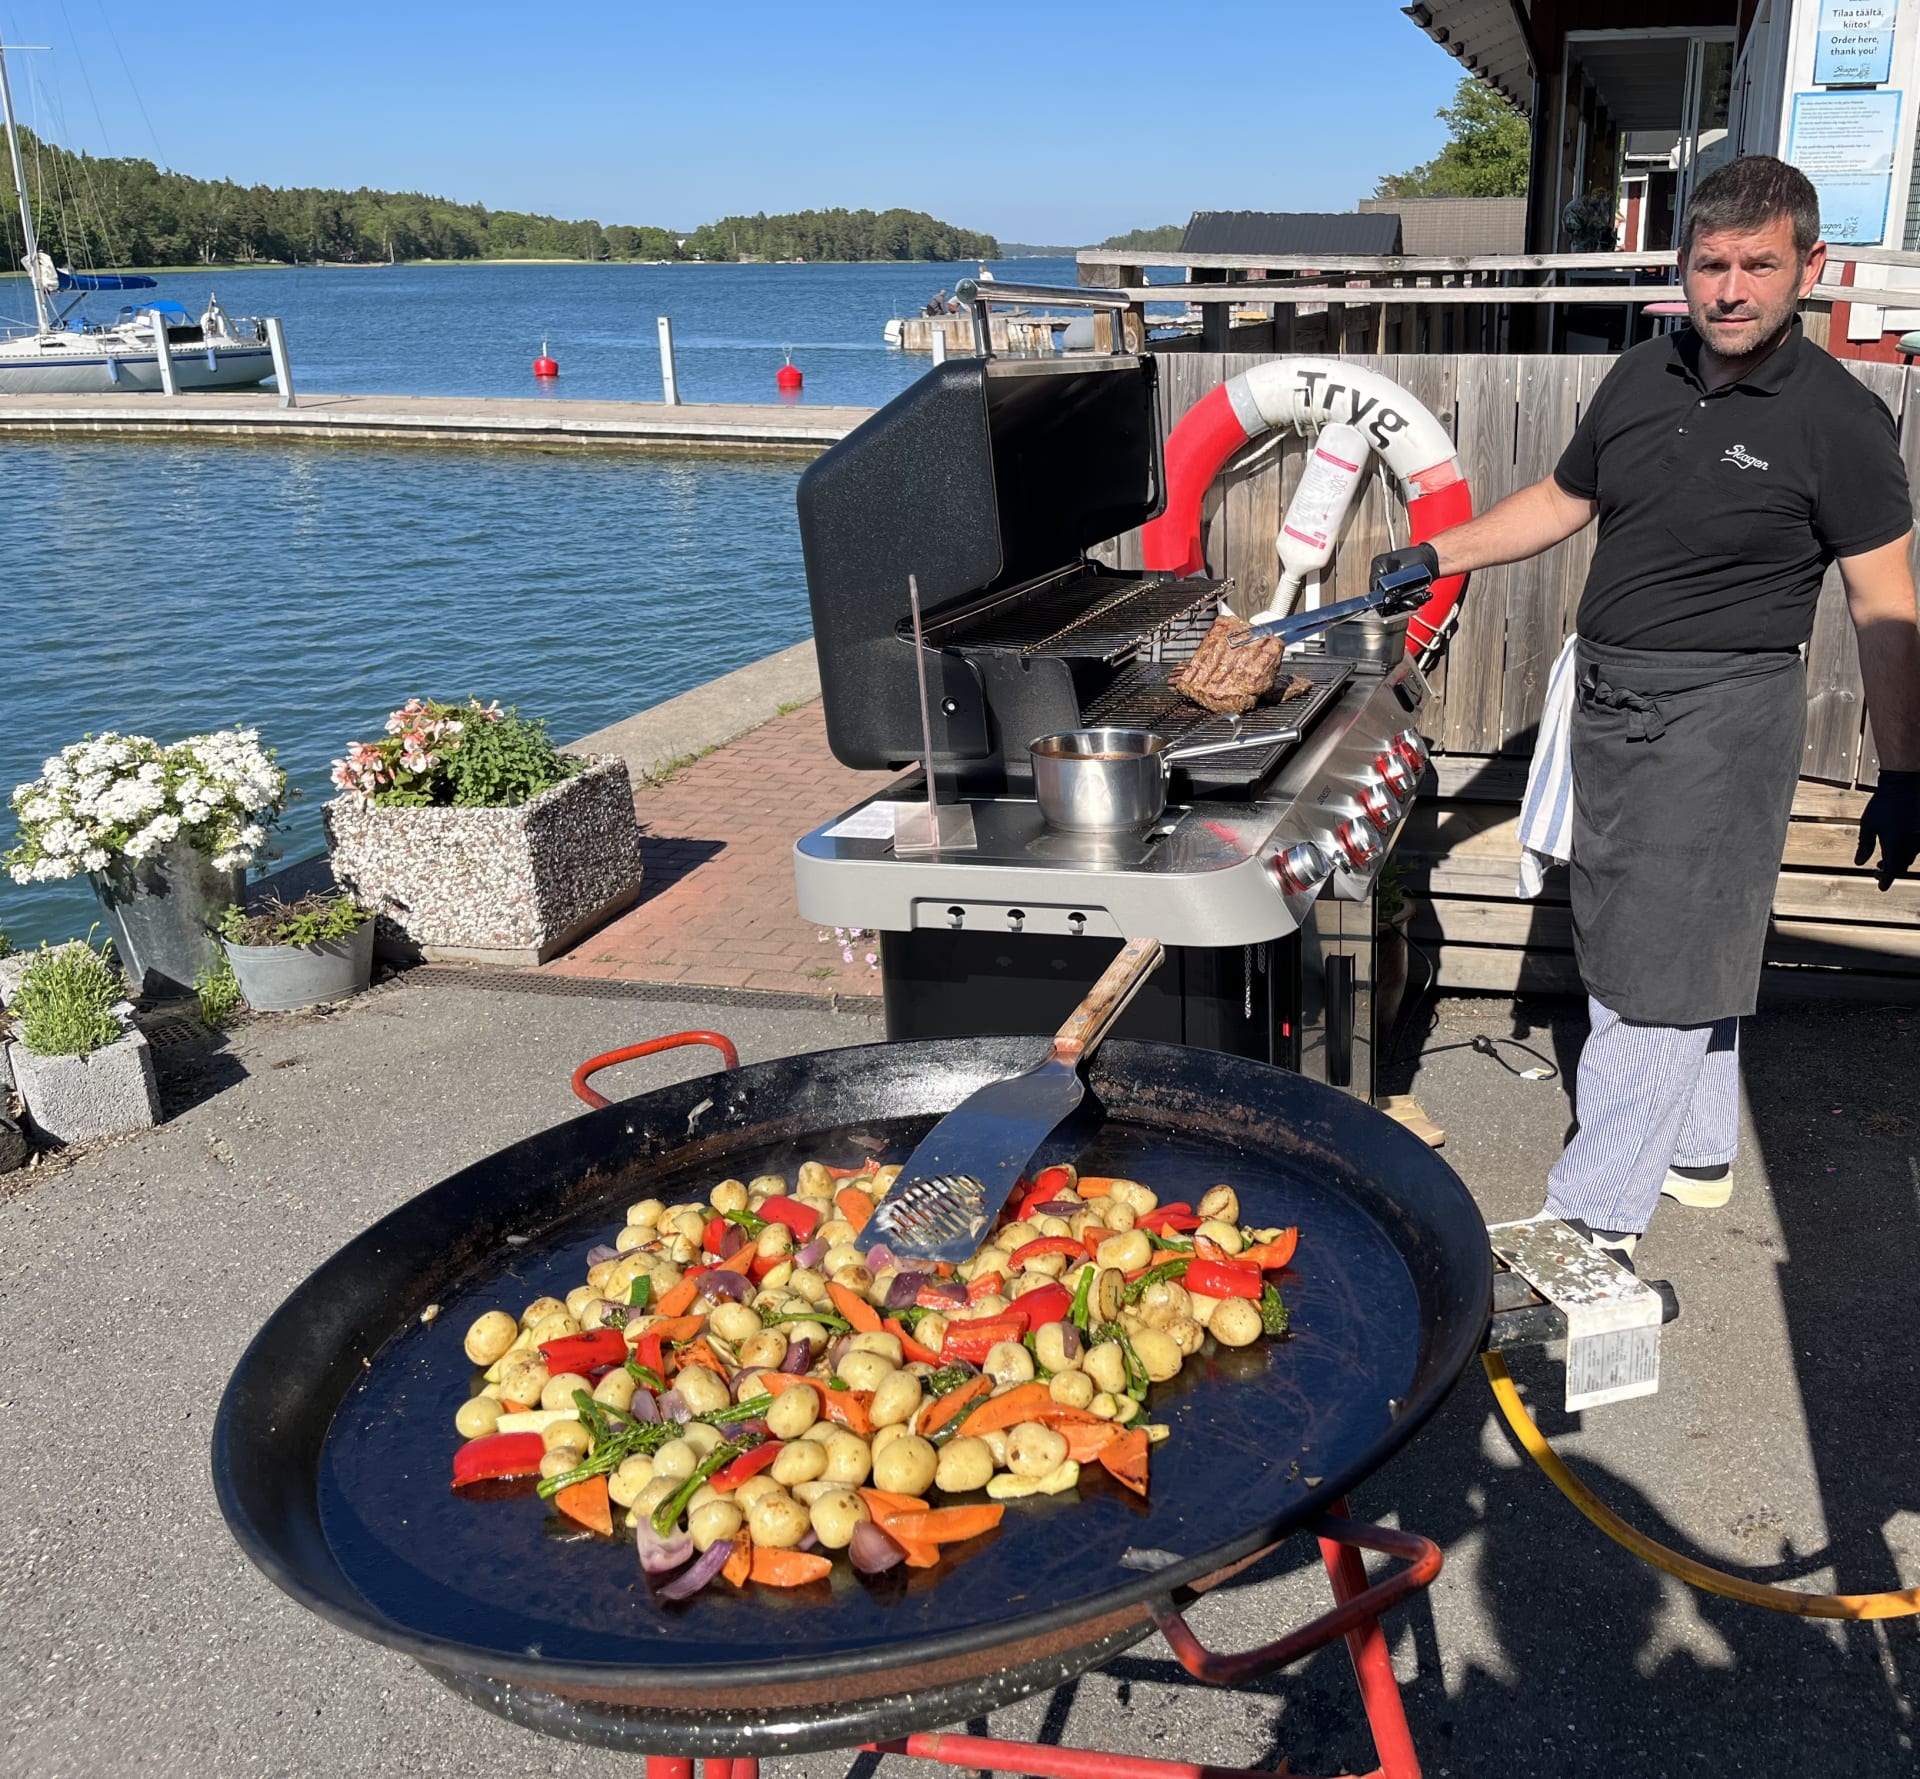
<point>1109,1294</point>
<point>557,1392</point>
<point>885,1436</point>
<point>842,1254</point>
<point>1051,1225</point>
<point>778,1521</point>
<point>702,1390</point>
<point>703,1437</point>
<point>523,1378</point>
<point>625,1484</point>
<point>1236,1323</point>
<point>768,1186</point>
<point>1035,1450</point>
<point>766,1349</point>
<point>773,1241</point>
<point>1220,1204</point>
<point>715,1522</point>
<point>907,1466</point>
<point>1071,1389</point>
<point>645,1213</point>
<point>593,1314</point>
<point>1186,1334</point>
<point>982,1309</point>
<point>597,1274</point>
<point>1121,1216</point>
<point>822,1430</point>
<point>616,1389</point>
<point>895,1400</point>
<point>1156,1352</point>
<point>854,1278</point>
<point>1224,1233</point>
<point>865,1371</point>
<point>886,1177</point>
<point>964,1465</point>
<point>850,1459</point>
<point>566,1436</point>
<point>729,1195</point>
<point>813,1333</point>
<point>1056,1482</point>
<point>807,1285</point>
<point>683,1250</point>
<point>1008,1362</point>
<point>477,1417</point>
<point>800,1461</point>
<point>558,1460</point>
<point>1047,1266</point>
<point>1107,1405</point>
<point>993,1258</point>
<point>1201,1308</point>
<point>1126,1253</point>
<point>836,1232</point>
<point>1165,1300</point>
<point>675,1461</point>
<point>793,1412</point>
<point>557,1325</point>
<point>996,1442</point>
<point>780,1271</point>
<point>654,1493</point>
<point>815,1180</point>
<point>1050,1347</point>
<point>537,1311</point>
<point>490,1337</point>
<point>932,1331</point>
<point>1107,1366</point>
<point>686,1222</point>
<point>886,1345</point>
<point>633,1236</point>
<point>753,1488</point>
<point>734,1322</point>
<point>809,1492</point>
<point>834,1516</point>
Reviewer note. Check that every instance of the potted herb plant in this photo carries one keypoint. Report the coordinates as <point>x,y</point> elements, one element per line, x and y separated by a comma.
<point>163,833</point>
<point>81,1066</point>
<point>288,955</point>
<point>470,835</point>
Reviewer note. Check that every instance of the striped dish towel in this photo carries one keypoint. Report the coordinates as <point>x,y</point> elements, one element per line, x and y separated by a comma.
<point>1546,813</point>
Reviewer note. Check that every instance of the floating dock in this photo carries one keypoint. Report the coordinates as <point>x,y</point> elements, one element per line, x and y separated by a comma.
<point>531,421</point>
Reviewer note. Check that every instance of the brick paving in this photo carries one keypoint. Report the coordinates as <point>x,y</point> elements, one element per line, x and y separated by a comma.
<point>716,906</point>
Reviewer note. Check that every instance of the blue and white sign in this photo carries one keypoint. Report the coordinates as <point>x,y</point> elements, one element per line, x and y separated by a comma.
<point>1854,43</point>
<point>1845,143</point>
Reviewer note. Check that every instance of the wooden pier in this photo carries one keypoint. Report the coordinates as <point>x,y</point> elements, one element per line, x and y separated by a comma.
<point>526,422</point>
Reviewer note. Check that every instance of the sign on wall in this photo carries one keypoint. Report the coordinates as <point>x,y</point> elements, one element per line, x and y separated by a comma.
<point>1854,44</point>
<point>1845,143</point>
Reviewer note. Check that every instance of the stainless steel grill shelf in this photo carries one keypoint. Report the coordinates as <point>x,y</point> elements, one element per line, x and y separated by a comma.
<point>1104,618</point>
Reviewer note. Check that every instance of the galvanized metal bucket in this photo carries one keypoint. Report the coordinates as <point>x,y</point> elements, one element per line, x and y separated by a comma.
<point>283,978</point>
<point>161,910</point>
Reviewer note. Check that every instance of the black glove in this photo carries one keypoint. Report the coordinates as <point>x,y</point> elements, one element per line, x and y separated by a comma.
<point>1891,819</point>
<point>1411,556</point>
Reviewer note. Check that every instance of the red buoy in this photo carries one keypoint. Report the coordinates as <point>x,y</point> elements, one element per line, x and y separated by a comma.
<point>543,366</point>
<point>788,376</point>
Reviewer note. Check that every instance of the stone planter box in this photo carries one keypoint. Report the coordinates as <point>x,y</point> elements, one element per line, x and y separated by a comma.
<point>73,1098</point>
<point>501,886</point>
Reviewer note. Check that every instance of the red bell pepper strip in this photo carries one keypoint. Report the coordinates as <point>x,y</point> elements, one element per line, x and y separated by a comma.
<point>646,1353</point>
<point>497,1455</point>
<point>796,1214</point>
<point>987,1285</point>
<point>1271,1256</point>
<point>1175,1218</point>
<point>910,1348</point>
<point>1049,1303</point>
<point>582,1352</point>
<point>730,1476</point>
<point>972,1341</point>
<point>1042,1245</point>
<point>1050,1183</point>
<point>712,1235</point>
<point>1222,1278</point>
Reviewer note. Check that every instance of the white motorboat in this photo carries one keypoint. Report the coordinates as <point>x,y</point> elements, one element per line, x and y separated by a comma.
<point>64,354</point>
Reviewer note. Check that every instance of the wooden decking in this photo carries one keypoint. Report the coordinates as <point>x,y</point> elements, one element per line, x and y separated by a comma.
<point>436,420</point>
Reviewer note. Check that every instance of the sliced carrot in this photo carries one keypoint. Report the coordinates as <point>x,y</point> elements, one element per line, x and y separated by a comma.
<point>864,1317</point>
<point>846,1408</point>
<point>509,1407</point>
<point>910,1348</point>
<point>1094,1185</point>
<point>1125,1459</point>
<point>919,1556</point>
<point>697,1352</point>
<point>854,1205</point>
<point>1008,1410</point>
<point>1086,1440</point>
<point>881,1501</point>
<point>955,1402</point>
<point>788,1568</point>
<point>589,1503</point>
<point>854,1173</point>
<point>945,1525</point>
<point>678,1299</point>
<point>740,1565</point>
<point>742,1262</point>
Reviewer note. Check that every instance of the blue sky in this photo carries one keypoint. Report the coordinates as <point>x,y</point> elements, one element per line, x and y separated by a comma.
<point>1035,121</point>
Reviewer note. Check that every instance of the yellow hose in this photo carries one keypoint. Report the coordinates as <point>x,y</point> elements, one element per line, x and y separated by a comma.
<point>1714,1581</point>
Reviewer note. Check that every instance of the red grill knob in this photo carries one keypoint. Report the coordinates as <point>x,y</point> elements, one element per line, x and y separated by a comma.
<point>1359,844</point>
<point>1394,775</point>
<point>1302,868</point>
<point>1378,806</point>
<point>1408,745</point>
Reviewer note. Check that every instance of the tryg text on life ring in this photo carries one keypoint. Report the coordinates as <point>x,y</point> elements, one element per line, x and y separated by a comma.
<point>1307,394</point>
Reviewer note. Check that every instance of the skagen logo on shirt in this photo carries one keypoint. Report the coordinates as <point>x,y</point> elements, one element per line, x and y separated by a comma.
<point>1740,455</point>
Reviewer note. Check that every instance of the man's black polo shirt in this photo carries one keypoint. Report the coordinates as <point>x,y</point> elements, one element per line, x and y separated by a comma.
<point>1720,512</point>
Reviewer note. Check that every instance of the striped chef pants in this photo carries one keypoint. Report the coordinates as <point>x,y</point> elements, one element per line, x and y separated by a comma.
<point>1648,1097</point>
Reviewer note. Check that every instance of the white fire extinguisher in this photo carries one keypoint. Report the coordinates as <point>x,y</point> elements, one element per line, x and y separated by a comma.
<point>1318,509</point>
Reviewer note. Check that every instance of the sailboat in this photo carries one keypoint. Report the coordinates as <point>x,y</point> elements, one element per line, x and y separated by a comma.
<point>67,355</point>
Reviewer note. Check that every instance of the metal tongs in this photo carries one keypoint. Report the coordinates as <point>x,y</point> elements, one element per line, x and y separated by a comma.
<point>1399,590</point>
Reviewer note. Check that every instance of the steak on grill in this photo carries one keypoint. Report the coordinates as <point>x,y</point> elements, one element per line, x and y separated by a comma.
<point>1223,678</point>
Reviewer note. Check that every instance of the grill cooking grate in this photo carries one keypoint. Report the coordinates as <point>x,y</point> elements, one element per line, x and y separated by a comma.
<point>1142,699</point>
<point>1106,618</point>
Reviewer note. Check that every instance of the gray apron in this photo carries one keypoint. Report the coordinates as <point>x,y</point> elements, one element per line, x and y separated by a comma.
<point>1684,765</point>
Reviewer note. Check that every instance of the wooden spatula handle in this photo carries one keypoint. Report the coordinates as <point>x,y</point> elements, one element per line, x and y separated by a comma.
<point>1107,999</point>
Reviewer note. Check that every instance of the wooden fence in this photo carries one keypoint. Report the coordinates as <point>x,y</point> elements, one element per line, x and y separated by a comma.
<point>1510,418</point>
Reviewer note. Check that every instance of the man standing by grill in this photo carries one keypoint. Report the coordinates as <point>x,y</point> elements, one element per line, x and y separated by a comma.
<point>1727,464</point>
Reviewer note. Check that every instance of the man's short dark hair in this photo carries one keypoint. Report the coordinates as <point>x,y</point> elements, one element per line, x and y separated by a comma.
<point>1749,193</point>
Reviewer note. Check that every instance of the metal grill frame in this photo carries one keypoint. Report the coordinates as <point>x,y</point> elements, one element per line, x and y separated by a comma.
<point>1110,618</point>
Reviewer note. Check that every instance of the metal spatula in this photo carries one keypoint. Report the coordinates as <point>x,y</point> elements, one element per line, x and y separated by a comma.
<point>956,1183</point>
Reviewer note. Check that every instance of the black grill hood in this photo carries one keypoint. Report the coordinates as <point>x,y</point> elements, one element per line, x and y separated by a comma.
<point>984,476</point>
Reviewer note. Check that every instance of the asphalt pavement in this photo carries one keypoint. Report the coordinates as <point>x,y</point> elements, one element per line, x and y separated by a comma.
<point>1784,1442</point>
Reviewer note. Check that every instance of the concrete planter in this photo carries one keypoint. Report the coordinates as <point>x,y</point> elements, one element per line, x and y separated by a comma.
<point>504,886</point>
<point>73,1098</point>
<point>285,978</point>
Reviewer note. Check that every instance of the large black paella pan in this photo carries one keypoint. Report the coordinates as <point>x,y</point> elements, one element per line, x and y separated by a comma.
<point>333,1445</point>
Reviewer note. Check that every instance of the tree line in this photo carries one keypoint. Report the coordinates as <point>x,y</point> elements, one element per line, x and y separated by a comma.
<point>94,211</point>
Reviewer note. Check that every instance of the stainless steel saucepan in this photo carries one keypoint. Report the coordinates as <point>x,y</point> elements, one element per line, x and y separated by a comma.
<point>1105,781</point>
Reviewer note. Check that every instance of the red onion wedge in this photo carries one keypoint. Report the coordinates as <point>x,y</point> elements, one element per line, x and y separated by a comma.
<point>600,1255</point>
<point>732,1286</point>
<point>661,1556</point>
<point>872,1551</point>
<point>812,1254</point>
<point>810,1542</point>
<point>732,1239</point>
<point>673,1407</point>
<point>880,1257</point>
<point>1058,1207</point>
<point>905,1289</point>
<point>799,1357</point>
<point>705,1567</point>
<point>1069,1340</point>
<point>643,1407</point>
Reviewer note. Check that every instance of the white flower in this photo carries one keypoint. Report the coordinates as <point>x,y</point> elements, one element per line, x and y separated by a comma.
<point>95,858</point>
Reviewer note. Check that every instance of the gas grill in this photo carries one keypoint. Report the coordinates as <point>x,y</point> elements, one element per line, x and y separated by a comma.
<point>965,514</point>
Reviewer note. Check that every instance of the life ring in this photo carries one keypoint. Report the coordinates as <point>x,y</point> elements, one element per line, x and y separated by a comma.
<point>1306,394</point>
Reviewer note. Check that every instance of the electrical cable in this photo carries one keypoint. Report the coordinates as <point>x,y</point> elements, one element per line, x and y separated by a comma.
<point>1487,1046</point>
<point>1892,1604</point>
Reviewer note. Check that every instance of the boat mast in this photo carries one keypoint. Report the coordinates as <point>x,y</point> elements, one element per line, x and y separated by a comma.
<point>26,210</point>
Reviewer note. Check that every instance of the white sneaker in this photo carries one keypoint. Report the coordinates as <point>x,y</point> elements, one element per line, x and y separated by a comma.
<point>1706,1189</point>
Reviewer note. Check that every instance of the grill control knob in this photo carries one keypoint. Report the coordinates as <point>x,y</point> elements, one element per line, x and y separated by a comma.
<point>1302,868</point>
<point>1408,745</point>
<point>1378,805</point>
<point>1394,774</point>
<point>1359,844</point>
